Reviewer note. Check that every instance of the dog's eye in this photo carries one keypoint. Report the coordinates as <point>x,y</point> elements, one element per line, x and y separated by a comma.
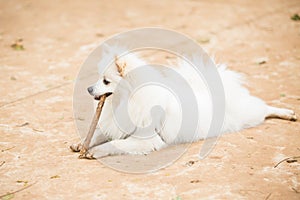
<point>106,82</point>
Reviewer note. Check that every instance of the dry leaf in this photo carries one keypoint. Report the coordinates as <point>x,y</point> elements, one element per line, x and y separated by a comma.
<point>17,45</point>
<point>261,61</point>
<point>55,176</point>
<point>295,17</point>
<point>203,40</point>
<point>21,181</point>
<point>24,124</point>
<point>7,196</point>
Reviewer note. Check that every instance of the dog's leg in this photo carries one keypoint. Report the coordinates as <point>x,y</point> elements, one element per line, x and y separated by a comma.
<point>130,145</point>
<point>281,113</point>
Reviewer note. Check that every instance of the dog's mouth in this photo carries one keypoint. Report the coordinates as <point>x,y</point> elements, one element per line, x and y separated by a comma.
<point>97,97</point>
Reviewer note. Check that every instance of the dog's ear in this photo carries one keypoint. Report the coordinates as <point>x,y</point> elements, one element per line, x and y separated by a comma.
<point>120,66</point>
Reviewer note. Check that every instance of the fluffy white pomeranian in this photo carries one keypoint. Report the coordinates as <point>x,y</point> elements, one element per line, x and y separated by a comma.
<point>128,126</point>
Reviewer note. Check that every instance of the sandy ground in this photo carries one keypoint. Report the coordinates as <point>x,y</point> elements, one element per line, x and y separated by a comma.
<point>37,123</point>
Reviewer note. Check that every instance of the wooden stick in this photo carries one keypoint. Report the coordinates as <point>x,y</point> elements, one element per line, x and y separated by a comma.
<point>87,141</point>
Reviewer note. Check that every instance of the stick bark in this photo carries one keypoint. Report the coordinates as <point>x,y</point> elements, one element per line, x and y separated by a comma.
<point>87,141</point>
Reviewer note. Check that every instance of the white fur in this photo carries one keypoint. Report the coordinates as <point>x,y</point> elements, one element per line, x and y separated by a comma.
<point>242,110</point>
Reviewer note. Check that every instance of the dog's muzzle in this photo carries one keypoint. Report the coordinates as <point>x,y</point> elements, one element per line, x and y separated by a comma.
<point>96,97</point>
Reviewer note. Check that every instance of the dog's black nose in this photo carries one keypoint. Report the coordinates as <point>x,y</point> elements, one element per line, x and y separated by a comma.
<point>90,89</point>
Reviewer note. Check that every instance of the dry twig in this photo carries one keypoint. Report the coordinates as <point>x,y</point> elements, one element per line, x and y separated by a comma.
<point>269,195</point>
<point>287,159</point>
<point>92,129</point>
<point>19,190</point>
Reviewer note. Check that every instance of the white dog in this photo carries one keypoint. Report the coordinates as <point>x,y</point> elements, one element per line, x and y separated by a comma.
<point>161,129</point>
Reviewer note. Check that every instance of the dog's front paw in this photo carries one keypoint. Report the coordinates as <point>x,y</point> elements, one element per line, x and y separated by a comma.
<point>86,155</point>
<point>76,147</point>
<point>294,117</point>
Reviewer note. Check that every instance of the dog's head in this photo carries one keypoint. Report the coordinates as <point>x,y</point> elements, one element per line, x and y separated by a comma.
<point>103,86</point>
<point>108,82</point>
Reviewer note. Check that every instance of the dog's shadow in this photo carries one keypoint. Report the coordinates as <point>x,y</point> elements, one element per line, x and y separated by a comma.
<point>145,163</point>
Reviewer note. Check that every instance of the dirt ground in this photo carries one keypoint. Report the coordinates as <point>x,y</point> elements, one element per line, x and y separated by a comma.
<point>257,38</point>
